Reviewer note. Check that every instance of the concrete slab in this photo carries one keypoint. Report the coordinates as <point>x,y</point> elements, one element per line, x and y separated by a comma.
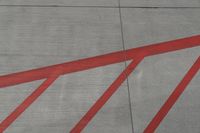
<point>160,3</point>
<point>37,33</point>
<point>151,85</point>
<point>70,97</point>
<point>147,26</point>
<point>61,2</point>
<point>32,37</point>
<point>156,77</point>
<point>11,97</point>
<point>35,37</point>
<point>184,117</point>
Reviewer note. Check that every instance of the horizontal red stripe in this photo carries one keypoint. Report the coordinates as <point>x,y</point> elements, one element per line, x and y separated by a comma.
<point>97,61</point>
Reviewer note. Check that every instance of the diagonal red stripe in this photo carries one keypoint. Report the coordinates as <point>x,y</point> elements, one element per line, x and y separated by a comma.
<point>97,61</point>
<point>173,98</point>
<point>106,96</point>
<point>27,102</point>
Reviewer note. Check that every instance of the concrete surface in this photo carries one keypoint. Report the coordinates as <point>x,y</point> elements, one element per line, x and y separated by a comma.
<point>160,3</point>
<point>61,2</point>
<point>36,33</point>
<point>157,76</point>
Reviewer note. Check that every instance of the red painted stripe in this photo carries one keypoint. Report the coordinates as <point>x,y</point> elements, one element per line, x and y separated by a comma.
<point>173,98</point>
<point>106,96</point>
<point>27,102</point>
<point>97,61</point>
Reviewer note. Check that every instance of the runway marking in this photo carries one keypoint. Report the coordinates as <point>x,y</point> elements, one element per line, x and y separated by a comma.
<point>135,54</point>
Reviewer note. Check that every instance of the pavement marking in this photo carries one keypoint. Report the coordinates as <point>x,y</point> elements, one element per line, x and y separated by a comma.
<point>51,73</point>
<point>28,101</point>
<point>97,61</point>
<point>106,95</point>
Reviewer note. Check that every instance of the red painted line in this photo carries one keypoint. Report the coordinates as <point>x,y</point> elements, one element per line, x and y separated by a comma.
<point>106,96</point>
<point>84,64</point>
<point>173,98</point>
<point>97,61</point>
<point>27,102</point>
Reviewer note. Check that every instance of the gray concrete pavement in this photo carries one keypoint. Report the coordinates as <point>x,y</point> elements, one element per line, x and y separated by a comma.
<point>151,85</point>
<point>35,34</point>
<point>147,26</point>
<point>61,2</point>
<point>157,76</point>
<point>160,3</point>
<point>63,104</point>
<point>35,37</point>
<point>114,3</point>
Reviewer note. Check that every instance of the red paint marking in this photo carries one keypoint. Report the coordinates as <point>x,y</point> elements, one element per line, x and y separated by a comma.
<point>84,64</point>
<point>106,96</point>
<point>27,102</point>
<point>97,61</point>
<point>173,98</point>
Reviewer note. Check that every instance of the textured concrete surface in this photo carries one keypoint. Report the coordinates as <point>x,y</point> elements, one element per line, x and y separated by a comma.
<point>151,85</point>
<point>160,3</point>
<point>63,104</point>
<point>61,2</point>
<point>40,36</point>
<point>147,26</point>
<point>36,33</point>
<point>157,76</point>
